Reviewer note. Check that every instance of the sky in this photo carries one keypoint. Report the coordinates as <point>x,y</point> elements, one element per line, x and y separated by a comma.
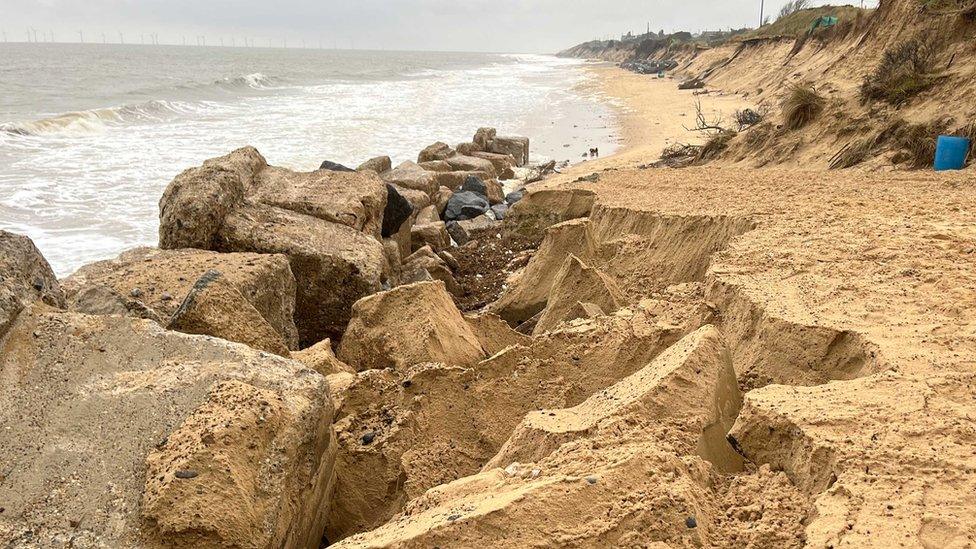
<point>536,26</point>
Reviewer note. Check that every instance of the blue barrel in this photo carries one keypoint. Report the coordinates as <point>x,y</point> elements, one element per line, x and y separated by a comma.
<point>951,153</point>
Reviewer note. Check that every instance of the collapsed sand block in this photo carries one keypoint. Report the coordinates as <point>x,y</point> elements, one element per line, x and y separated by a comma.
<point>215,307</point>
<point>577,282</point>
<point>645,249</point>
<point>584,310</point>
<point>354,199</point>
<point>769,348</point>
<point>528,290</point>
<point>408,325</point>
<point>25,278</point>
<point>238,427</point>
<point>887,459</point>
<point>403,432</point>
<point>161,279</point>
<point>495,334</point>
<point>544,207</point>
<point>322,359</point>
<point>215,420</point>
<point>334,265</point>
<point>411,176</point>
<point>690,386</point>
<point>425,264</point>
<point>623,494</point>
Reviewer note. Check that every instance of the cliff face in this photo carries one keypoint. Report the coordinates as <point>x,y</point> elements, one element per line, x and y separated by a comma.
<point>922,47</point>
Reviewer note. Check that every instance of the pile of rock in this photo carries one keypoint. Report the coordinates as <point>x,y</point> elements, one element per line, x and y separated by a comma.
<point>176,395</point>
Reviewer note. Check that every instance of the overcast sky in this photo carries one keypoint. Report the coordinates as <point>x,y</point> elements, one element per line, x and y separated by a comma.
<point>450,25</point>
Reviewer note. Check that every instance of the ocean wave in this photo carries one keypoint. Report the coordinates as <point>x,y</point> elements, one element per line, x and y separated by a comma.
<point>97,120</point>
<point>255,81</point>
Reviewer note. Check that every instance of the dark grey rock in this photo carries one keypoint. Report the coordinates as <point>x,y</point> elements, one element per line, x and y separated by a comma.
<point>513,197</point>
<point>465,205</point>
<point>334,167</point>
<point>475,185</point>
<point>398,210</point>
<point>500,210</point>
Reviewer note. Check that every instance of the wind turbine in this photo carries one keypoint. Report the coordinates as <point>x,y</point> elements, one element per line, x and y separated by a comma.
<point>121,38</point>
<point>81,35</point>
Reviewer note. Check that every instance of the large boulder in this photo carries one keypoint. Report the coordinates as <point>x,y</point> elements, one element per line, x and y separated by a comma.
<point>334,265</point>
<point>430,234</point>
<point>356,199</point>
<point>577,282</point>
<point>424,265</point>
<point>215,307</point>
<point>411,176</point>
<point>406,326</point>
<point>379,164</point>
<point>483,138</point>
<point>25,277</point>
<point>437,151</point>
<point>118,433</point>
<point>465,205</point>
<point>461,162</point>
<point>454,179</point>
<point>516,147</point>
<point>194,205</point>
<point>157,280</point>
<point>503,163</point>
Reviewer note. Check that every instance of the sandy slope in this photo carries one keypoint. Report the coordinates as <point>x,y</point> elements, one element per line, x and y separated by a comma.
<point>858,285</point>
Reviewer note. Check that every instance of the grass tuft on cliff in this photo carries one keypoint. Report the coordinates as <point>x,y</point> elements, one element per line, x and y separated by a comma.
<point>801,106</point>
<point>904,72</point>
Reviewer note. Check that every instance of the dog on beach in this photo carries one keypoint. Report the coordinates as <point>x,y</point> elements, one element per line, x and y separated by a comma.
<point>595,153</point>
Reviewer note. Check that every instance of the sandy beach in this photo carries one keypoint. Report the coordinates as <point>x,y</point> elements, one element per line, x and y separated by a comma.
<point>651,113</point>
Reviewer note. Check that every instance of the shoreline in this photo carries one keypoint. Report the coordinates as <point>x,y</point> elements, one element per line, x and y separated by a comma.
<point>653,113</point>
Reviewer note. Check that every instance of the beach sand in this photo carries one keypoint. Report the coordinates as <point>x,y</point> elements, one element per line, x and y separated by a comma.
<point>651,114</point>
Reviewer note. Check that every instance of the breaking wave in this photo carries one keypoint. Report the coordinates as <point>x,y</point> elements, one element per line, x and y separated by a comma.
<point>97,120</point>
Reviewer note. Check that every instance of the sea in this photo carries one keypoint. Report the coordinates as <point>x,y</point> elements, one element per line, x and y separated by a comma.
<point>91,134</point>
